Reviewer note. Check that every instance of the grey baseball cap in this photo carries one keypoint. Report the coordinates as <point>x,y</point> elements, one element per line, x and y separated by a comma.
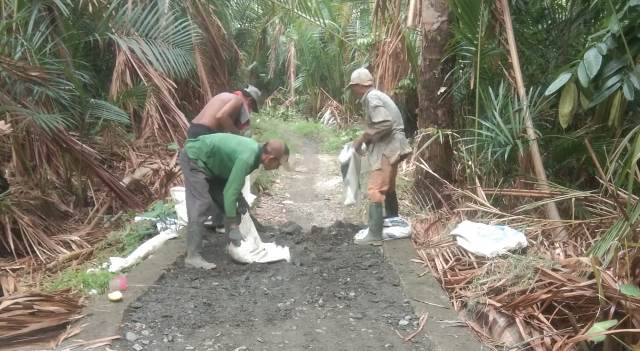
<point>255,94</point>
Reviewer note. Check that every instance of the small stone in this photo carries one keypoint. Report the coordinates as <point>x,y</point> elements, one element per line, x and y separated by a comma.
<point>145,332</point>
<point>189,347</point>
<point>291,228</point>
<point>357,316</point>
<point>136,305</point>
<point>403,322</point>
<point>408,317</point>
<point>146,342</point>
<point>137,347</point>
<point>388,346</point>
<point>260,340</point>
<point>131,336</point>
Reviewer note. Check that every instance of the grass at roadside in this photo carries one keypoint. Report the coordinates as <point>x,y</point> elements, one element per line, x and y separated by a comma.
<point>91,276</point>
<point>282,124</point>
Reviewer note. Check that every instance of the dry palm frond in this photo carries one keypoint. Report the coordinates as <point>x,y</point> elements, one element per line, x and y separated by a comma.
<point>216,47</point>
<point>534,300</point>
<point>391,63</point>
<point>37,320</point>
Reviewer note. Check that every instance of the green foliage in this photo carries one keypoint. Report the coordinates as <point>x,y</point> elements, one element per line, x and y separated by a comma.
<point>161,210</point>
<point>78,279</point>
<point>630,290</point>
<point>599,328</point>
<point>280,123</point>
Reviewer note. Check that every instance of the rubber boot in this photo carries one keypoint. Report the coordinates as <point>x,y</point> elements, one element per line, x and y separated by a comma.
<point>391,205</point>
<point>194,245</point>
<point>374,236</point>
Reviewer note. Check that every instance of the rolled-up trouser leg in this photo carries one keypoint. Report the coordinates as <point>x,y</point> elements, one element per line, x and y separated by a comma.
<point>382,180</point>
<point>199,203</point>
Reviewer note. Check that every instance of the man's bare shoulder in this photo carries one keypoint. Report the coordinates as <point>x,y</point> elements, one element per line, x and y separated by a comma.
<point>224,97</point>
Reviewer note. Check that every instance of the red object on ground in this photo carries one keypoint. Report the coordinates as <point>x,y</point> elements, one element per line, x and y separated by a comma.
<point>118,283</point>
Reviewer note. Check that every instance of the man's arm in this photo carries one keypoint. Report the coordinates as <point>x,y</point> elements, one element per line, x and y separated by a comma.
<point>233,187</point>
<point>380,127</point>
<point>227,115</point>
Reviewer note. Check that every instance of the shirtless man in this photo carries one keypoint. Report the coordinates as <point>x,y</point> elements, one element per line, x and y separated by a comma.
<point>226,113</point>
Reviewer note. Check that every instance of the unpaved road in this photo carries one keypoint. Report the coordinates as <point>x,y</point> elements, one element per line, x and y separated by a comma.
<point>334,295</point>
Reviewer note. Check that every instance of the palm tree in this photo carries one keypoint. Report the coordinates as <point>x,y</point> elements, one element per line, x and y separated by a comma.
<point>435,111</point>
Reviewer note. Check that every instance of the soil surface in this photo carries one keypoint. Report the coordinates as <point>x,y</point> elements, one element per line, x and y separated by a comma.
<point>334,295</point>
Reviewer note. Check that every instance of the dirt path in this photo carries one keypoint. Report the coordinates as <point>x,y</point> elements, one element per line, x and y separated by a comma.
<point>334,295</point>
<point>310,194</point>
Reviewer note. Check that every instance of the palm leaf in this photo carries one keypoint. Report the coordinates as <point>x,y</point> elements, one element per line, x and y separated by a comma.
<point>101,110</point>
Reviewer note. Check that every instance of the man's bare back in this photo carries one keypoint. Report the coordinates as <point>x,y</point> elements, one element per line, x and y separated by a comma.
<point>221,113</point>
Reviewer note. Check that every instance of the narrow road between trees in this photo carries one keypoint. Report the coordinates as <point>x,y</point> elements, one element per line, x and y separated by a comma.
<point>334,295</point>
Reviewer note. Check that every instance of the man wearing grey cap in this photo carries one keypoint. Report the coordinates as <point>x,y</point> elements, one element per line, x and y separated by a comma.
<point>386,146</point>
<point>226,113</point>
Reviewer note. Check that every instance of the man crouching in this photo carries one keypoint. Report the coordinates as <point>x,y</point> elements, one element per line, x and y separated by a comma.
<point>214,168</point>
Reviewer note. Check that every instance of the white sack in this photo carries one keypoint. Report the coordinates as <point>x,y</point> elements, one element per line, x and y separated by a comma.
<point>350,166</point>
<point>252,249</point>
<point>488,240</point>
<point>393,228</point>
<point>116,264</point>
<point>246,191</point>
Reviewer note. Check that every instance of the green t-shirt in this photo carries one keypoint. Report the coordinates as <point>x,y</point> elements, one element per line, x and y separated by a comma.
<point>226,156</point>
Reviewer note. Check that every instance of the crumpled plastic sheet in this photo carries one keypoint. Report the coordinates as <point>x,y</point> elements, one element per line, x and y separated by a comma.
<point>393,228</point>
<point>488,240</point>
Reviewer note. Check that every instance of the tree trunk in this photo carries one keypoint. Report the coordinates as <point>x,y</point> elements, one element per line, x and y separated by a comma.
<point>435,110</point>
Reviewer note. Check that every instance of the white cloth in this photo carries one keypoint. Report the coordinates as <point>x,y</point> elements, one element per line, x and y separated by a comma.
<point>488,240</point>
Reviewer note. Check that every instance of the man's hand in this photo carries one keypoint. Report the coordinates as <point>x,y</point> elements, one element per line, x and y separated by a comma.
<point>5,128</point>
<point>357,146</point>
<point>232,229</point>
<point>243,205</point>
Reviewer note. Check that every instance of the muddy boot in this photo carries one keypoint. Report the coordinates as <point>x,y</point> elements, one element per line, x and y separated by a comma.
<point>391,205</point>
<point>374,236</point>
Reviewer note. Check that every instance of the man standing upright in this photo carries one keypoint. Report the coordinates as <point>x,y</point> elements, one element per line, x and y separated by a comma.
<point>386,147</point>
<point>226,113</point>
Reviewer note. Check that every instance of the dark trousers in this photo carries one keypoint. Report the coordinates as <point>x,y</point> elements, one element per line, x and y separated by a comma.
<point>196,129</point>
<point>203,195</point>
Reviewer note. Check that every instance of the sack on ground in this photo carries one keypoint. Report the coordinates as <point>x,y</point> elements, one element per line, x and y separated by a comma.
<point>488,240</point>
<point>252,249</point>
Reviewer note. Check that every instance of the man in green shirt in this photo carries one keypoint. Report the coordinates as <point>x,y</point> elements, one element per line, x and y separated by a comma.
<point>214,168</point>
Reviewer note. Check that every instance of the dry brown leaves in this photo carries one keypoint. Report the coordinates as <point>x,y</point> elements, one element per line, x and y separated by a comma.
<point>35,320</point>
<point>543,306</point>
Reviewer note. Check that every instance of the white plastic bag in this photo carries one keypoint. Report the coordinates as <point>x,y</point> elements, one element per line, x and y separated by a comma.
<point>393,228</point>
<point>488,240</point>
<point>350,167</point>
<point>252,249</point>
<point>116,264</point>
<point>178,196</point>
